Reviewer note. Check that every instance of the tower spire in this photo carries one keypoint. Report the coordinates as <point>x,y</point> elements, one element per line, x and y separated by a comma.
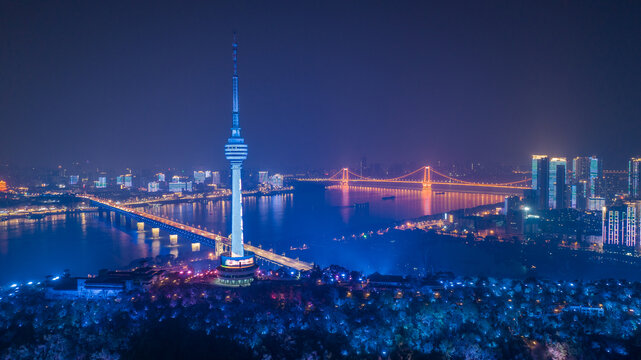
<point>235,54</point>
<point>235,130</point>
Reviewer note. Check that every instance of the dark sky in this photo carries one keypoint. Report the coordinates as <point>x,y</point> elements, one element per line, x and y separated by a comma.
<point>322,83</point>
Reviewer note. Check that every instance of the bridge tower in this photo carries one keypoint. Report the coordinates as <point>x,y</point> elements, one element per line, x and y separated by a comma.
<point>345,176</point>
<point>236,267</point>
<point>427,177</point>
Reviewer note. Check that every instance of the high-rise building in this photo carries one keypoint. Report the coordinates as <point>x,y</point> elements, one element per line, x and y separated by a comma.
<point>263,177</point>
<point>237,266</point>
<point>128,181</point>
<point>540,183</point>
<point>215,178</point>
<point>177,186</point>
<point>557,182</point>
<point>579,196</point>
<point>513,215</point>
<point>580,169</point>
<point>620,225</point>
<point>511,203</point>
<point>73,179</point>
<point>161,177</point>
<point>199,177</point>
<point>101,183</point>
<point>634,169</point>
<point>615,183</point>
<point>595,180</point>
<point>596,203</point>
<point>120,180</point>
<point>153,186</point>
<point>276,181</point>
<point>3,186</point>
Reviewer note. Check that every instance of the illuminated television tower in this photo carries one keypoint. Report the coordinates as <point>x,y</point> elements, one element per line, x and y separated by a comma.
<point>237,266</point>
<point>236,152</point>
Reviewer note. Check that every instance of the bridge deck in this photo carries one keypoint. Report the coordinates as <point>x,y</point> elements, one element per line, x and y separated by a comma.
<point>419,183</point>
<point>199,233</point>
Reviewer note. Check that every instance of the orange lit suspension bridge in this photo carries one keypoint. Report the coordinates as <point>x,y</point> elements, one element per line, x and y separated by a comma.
<point>425,176</point>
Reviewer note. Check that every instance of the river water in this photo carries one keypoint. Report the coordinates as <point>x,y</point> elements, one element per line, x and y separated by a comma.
<point>301,224</point>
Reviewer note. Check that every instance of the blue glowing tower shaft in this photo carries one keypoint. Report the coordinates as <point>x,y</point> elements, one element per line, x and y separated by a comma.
<point>237,213</point>
<point>236,153</point>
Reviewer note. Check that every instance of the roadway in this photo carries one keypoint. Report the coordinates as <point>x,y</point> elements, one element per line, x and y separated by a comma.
<point>264,254</point>
<point>486,185</point>
<point>435,185</point>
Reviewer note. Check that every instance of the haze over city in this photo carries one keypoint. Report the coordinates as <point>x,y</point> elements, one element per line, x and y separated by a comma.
<point>146,83</point>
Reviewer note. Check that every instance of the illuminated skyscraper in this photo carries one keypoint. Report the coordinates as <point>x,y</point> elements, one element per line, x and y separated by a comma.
<point>596,203</point>
<point>263,177</point>
<point>199,177</point>
<point>215,178</point>
<point>540,174</point>
<point>153,186</point>
<point>580,169</point>
<point>634,169</point>
<point>276,181</point>
<point>3,186</point>
<point>237,267</point>
<point>177,186</point>
<point>620,225</point>
<point>557,182</point>
<point>579,195</point>
<point>101,183</point>
<point>595,180</point>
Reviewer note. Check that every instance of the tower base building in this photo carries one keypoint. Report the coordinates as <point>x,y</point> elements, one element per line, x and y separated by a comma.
<point>236,271</point>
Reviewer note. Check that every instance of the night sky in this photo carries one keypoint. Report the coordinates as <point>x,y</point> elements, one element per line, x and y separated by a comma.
<point>322,83</point>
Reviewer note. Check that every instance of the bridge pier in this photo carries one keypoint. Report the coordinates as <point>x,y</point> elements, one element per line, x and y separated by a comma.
<point>173,239</point>
<point>155,232</point>
<point>141,226</point>
<point>195,246</point>
<point>219,248</point>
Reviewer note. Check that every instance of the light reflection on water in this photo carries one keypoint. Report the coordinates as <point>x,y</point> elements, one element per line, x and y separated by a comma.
<point>314,218</point>
<point>85,243</point>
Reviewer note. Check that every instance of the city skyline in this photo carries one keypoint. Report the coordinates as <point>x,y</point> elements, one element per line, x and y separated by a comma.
<point>157,84</point>
<point>426,180</point>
